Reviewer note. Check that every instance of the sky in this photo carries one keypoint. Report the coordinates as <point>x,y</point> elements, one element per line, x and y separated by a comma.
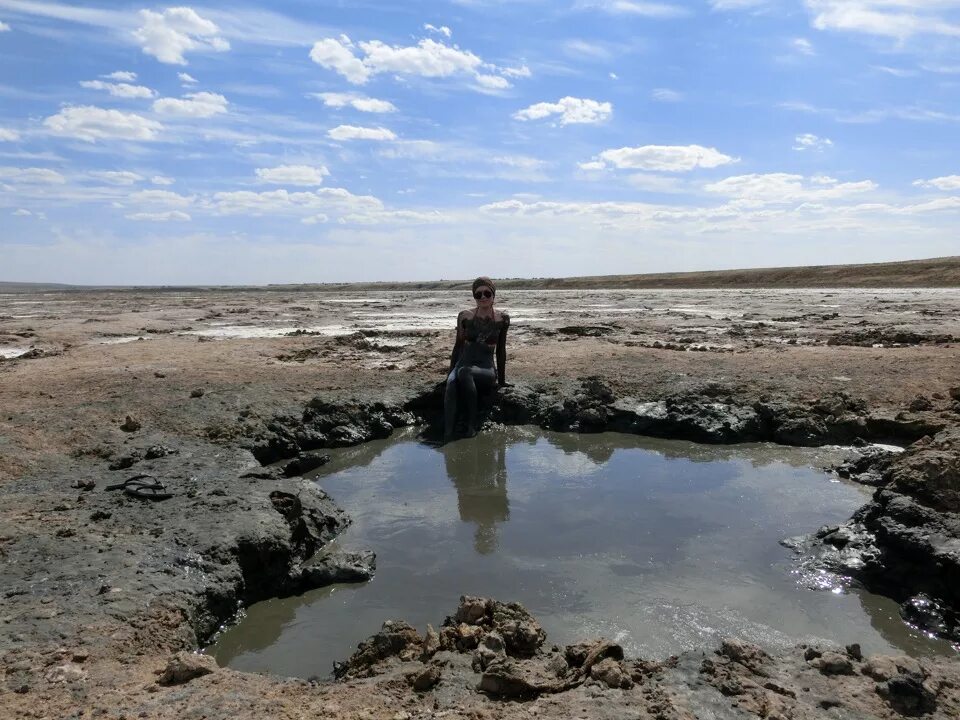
<point>320,141</point>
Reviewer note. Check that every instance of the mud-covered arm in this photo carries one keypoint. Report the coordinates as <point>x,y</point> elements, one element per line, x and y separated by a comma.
<point>502,352</point>
<point>458,343</point>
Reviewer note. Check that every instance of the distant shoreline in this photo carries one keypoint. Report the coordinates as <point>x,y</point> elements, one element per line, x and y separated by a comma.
<point>928,273</point>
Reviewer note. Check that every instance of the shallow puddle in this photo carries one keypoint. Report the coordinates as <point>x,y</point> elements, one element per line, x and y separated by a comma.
<point>663,546</point>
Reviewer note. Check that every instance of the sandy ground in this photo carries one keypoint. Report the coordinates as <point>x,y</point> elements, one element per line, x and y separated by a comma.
<point>73,366</point>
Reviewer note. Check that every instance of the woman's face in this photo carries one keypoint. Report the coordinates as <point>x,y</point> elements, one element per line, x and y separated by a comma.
<point>484,296</point>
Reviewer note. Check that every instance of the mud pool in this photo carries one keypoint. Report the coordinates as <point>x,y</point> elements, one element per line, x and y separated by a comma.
<point>661,545</point>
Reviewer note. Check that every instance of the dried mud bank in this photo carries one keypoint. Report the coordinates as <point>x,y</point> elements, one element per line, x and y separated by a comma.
<point>116,583</point>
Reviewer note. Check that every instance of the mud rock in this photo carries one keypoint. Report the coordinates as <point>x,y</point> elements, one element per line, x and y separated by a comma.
<point>491,649</point>
<point>396,640</point>
<point>130,424</point>
<point>186,666</point>
<point>197,392</point>
<point>304,463</point>
<point>611,673</point>
<point>431,643</point>
<point>833,663</point>
<point>66,673</point>
<point>340,567</point>
<point>427,679</point>
<point>920,403</point>
<point>522,634</point>
<point>908,695</point>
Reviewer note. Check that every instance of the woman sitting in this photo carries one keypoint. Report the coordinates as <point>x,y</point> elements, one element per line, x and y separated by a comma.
<point>481,334</point>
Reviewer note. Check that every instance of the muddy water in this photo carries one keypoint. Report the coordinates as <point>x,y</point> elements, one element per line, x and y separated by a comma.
<point>661,545</point>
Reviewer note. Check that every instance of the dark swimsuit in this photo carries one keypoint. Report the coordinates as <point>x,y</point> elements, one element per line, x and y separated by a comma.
<point>474,366</point>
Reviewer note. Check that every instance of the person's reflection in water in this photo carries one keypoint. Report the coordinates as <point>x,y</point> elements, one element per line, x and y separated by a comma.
<point>478,469</point>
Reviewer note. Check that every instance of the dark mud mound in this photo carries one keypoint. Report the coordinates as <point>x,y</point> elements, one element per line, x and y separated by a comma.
<point>490,651</point>
<point>906,541</point>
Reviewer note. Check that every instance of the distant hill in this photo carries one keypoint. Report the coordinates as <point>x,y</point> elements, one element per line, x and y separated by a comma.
<point>17,287</point>
<point>934,272</point>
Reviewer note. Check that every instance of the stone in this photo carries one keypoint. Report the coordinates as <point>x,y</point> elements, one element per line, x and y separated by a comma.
<point>197,392</point>
<point>427,679</point>
<point>833,663</point>
<point>130,424</point>
<point>186,666</point>
<point>340,567</point>
<point>908,695</point>
<point>66,673</point>
<point>431,643</point>
<point>609,672</point>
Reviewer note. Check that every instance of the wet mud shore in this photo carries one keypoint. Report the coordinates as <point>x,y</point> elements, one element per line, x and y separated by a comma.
<point>101,587</point>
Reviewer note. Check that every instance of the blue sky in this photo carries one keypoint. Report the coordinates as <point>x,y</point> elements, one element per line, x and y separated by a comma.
<point>302,141</point>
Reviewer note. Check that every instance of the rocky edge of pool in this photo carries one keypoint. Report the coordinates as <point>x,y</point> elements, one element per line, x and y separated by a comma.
<point>107,594</point>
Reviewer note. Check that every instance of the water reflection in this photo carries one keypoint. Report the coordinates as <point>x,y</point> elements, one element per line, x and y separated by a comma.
<point>478,471</point>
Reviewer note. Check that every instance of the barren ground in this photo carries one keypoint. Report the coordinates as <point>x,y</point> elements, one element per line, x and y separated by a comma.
<point>94,358</point>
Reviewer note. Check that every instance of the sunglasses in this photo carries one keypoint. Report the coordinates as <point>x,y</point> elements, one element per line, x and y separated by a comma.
<point>483,294</point>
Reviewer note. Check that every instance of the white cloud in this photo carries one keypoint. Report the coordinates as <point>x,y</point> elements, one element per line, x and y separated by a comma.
<point>592,165</point>
<point>808,141</point>
<point>124,90</point>
<point>121,76</point>
<point>171,215</point>
<point>32,176</point>
<point>186,78</point>
<point>803,46</point>
<point>161,197</point>
<point>4,27</point>
<point>116,177</point>
<point>570,109</point>
<point>352,132</point>
<point>737,4</point>
<point>177,30</point>
<point>388,217</point>
<point>897,19</point>
<point>337,55</point>
<point>516,72</point>
<point>22,213</point>
<point>199,105</point>
<point>89,123</point>
<point>161,180</point>
<point>327,200</point>
<point>315,219</point>
<point>492,82</point>
<point>666,95</point>
<point>292,175</point>
<point>665,158</point>
<point>442,30</point>
<point>773,188</point>
<point>357,102</point>
<point>635,7</point>
<point>947,182</point>
<point>8,135</point>
<point>428,58</point>
<point>584,49</point>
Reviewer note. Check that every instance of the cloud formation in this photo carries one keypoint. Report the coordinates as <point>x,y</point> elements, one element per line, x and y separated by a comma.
<point>760,189</point>
<point>947,182</point>
<point>293,175</point>
<point>122,90</point>
<point>167,36</point>
<point>90,123</point>
<point>571,110</point>
<point>116,177</point>
<point>897,19</point>
<point>352,132</point>
<point>32,176</point>
<point>356,101</point>
<point>809,141</point>
<point>197,105</point>
<point>661,158</point>
<point>429,58</point>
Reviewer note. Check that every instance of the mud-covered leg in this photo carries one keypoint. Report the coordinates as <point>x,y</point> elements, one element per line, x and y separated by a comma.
<point>468,392</point>
<point>450,406</point>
